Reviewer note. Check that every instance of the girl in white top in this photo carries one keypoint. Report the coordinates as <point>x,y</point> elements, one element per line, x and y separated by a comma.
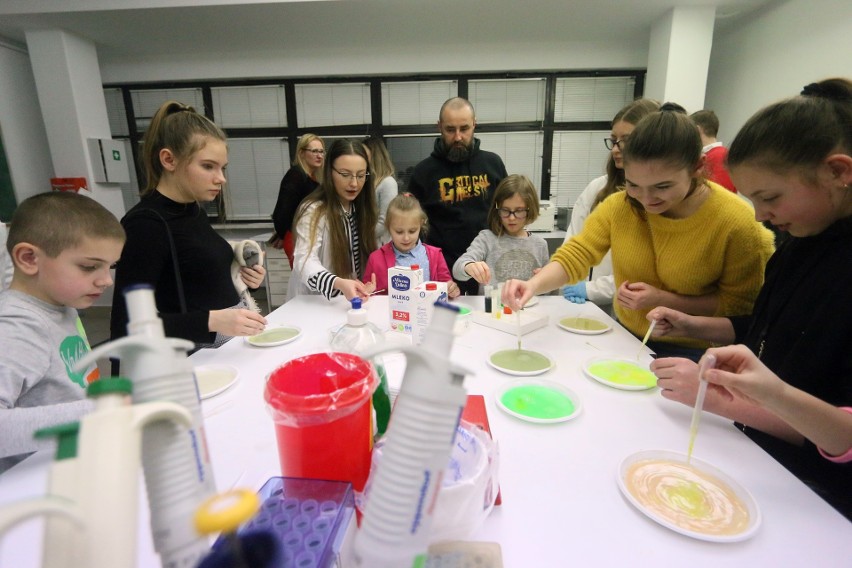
<point>600,286</point>
<point>506,249</point>
<point>335,228</point>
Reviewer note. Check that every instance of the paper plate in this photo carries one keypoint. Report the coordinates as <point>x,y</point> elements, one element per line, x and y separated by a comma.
<point>584,325</point>
<point>624,374</point>
<point>520,362</point>
<point>539,401</point>
<point>274,336</point>
<point>214,379</point>
<point>695,499</point>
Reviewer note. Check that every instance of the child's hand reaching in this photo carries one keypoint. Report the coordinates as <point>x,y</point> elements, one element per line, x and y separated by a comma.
<point>370,286</point>
<point>453,290</point>
<point>479,271</point>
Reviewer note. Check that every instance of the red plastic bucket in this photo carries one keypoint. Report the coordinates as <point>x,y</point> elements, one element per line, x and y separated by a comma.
<point>320,404</point>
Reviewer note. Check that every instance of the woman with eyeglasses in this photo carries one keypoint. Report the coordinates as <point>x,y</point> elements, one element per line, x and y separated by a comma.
<point>335,227</point>
<point>677,240</point>
<point>299,181</point>
<point>505,249</point>
<point>600,286</point>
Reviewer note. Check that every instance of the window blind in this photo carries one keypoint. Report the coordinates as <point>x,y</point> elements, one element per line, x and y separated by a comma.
<point>578,158</point>
<point>249,107</point>
<point>591,98</point>
<point>507,100</point>
<point>416,102</point>
<point>337,104</point>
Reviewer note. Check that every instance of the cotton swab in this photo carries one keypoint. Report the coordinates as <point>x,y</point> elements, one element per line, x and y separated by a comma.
<point>645,339</point>
<point>707,362</point>
<point>518,318</point>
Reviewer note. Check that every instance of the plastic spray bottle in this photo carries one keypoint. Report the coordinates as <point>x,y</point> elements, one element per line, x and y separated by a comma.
<point>357,336</point>
<point>398,513</point>
<point>178,475</point>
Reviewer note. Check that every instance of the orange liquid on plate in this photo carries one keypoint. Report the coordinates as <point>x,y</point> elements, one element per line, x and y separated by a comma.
<point>687,497</point>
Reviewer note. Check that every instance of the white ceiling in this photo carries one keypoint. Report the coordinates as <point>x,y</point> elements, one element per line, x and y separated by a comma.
<point>124,29</point>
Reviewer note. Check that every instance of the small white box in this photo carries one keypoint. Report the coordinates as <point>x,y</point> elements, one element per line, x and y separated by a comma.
<point>546,221</point>
<point>425,297</point>
<point>531,320</point>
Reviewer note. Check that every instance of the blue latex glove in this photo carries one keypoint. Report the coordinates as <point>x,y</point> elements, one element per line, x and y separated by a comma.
<point>575,293</point>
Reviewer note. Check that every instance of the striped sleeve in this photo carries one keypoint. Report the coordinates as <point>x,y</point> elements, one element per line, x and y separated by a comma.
<point>323,282</point>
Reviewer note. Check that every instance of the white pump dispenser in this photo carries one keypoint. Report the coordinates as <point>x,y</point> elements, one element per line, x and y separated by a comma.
<point>94,483</point>
<point>178,475</point>
<point>398,515</point>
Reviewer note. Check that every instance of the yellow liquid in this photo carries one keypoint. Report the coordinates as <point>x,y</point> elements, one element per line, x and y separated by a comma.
<point>584,324</point>
<point>520,360</point>
<point>273,336</point>
<point>623,373</point>
<point>687,497</point>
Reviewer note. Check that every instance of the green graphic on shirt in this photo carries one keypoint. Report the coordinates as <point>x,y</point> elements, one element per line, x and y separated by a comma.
<point>71,350</point>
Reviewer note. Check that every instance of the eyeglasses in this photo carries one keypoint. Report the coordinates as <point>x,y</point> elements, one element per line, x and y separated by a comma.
<point>315,152</point>
<point>518,213</point>
<point>350,176</point>
<point>611,142</point>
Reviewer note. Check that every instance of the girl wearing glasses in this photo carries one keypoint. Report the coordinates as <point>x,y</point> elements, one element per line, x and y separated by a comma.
<point>506,249</point>
<point>298,182</point>
<point>335,227</point>
<point>600,286</point>
<point>677,240</point>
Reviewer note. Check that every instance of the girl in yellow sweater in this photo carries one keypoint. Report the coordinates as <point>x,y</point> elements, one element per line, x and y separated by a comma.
<point>677,240</point>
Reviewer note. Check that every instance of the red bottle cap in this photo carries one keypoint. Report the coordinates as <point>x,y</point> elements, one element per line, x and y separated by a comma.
<point>414,267</point>
<point>431,286</point>
<point>507,310</point>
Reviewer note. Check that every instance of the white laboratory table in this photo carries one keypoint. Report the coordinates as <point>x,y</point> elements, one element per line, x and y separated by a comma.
<point>561,504</point>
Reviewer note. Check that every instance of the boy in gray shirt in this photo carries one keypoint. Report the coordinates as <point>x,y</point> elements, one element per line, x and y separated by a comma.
<point>62,246</point>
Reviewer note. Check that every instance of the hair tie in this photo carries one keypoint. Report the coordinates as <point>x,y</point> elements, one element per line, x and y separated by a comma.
<point>813,90</point>
<point>831,90</point>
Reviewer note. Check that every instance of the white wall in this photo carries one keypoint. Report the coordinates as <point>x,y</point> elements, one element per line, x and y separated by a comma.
<point>406,58</point>
<point>21,125</point>
<point>774,53</point>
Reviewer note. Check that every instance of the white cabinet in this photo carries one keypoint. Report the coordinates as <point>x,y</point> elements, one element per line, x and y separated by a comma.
<point>277,276</point>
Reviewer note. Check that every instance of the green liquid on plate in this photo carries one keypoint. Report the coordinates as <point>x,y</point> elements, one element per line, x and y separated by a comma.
<point>623,373</point>
<point>538,402</point>
<point>584,324</point>
<point>520,360</point>
<point>274,336</point>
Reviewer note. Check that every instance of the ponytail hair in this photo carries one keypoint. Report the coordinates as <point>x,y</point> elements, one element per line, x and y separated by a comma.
<point>179,128</point>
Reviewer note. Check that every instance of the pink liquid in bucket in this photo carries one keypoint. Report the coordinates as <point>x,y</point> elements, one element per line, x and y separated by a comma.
<point>321,407</point>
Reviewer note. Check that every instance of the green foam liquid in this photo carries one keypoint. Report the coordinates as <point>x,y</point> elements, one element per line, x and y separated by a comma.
<point>274,336</point>
<point>584,324</point>
<point>538,402</point>
<point>623,373</point>
<point>520,360</point>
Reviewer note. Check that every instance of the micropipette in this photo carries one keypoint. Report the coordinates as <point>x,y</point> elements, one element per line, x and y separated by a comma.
<point>707,362</point>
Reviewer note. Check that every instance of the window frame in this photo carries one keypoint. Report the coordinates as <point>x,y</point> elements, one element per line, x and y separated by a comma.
<point>291,133</point>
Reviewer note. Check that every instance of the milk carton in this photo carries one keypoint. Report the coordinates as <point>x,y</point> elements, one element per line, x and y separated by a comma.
<point>425,296</point>
<point>402,280</point>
